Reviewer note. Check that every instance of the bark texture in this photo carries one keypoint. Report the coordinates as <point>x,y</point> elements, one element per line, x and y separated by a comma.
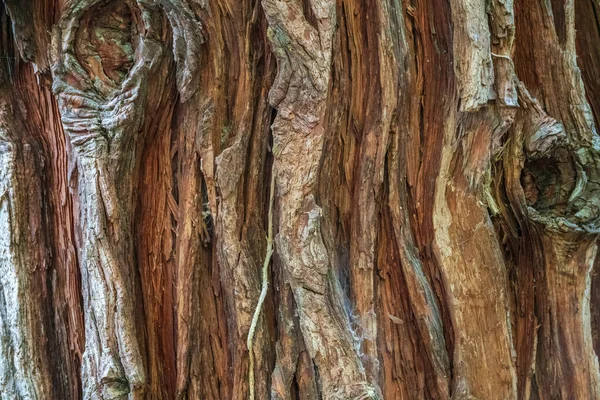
<point>431,232</point>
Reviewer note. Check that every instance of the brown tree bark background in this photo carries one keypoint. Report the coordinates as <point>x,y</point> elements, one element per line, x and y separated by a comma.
<point>436,180</point>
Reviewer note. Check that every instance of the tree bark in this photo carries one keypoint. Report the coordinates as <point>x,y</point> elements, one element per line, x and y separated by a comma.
<point>435,168</point>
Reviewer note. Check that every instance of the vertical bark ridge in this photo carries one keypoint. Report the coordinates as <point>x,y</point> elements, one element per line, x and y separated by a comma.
<point>202,370</point>
<point>299,93</point>
<point>40,310</point>
<point>202,360</point>
<point>102,102</point>
<point>434,74</point>
<point>155,249</point>
<point>233,150</point>
<point>370,116</point>
<point>24,368</point>
<point>423,301</point>
<point>473,270</point>
<point>470,257</point>
<point>160,217</point>
<point>64,320</point>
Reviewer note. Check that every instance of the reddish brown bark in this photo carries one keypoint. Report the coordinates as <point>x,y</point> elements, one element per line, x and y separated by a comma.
<point>436,211</point>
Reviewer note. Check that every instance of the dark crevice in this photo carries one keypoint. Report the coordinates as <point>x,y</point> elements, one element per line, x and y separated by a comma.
<point>309,14</point>
<point>558,13</point>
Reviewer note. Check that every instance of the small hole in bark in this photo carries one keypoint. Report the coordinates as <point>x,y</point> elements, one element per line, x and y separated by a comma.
<point>548,182</point>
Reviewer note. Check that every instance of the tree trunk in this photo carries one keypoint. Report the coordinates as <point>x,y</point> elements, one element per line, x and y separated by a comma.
<point>299,199</point>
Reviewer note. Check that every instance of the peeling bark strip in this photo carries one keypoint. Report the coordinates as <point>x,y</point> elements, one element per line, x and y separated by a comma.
<point>436,206</point>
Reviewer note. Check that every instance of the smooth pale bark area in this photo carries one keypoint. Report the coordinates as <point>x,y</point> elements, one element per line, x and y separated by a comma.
<point>436,169</point>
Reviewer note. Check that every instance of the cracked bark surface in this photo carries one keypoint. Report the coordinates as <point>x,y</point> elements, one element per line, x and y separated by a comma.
<point>435,215</point>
